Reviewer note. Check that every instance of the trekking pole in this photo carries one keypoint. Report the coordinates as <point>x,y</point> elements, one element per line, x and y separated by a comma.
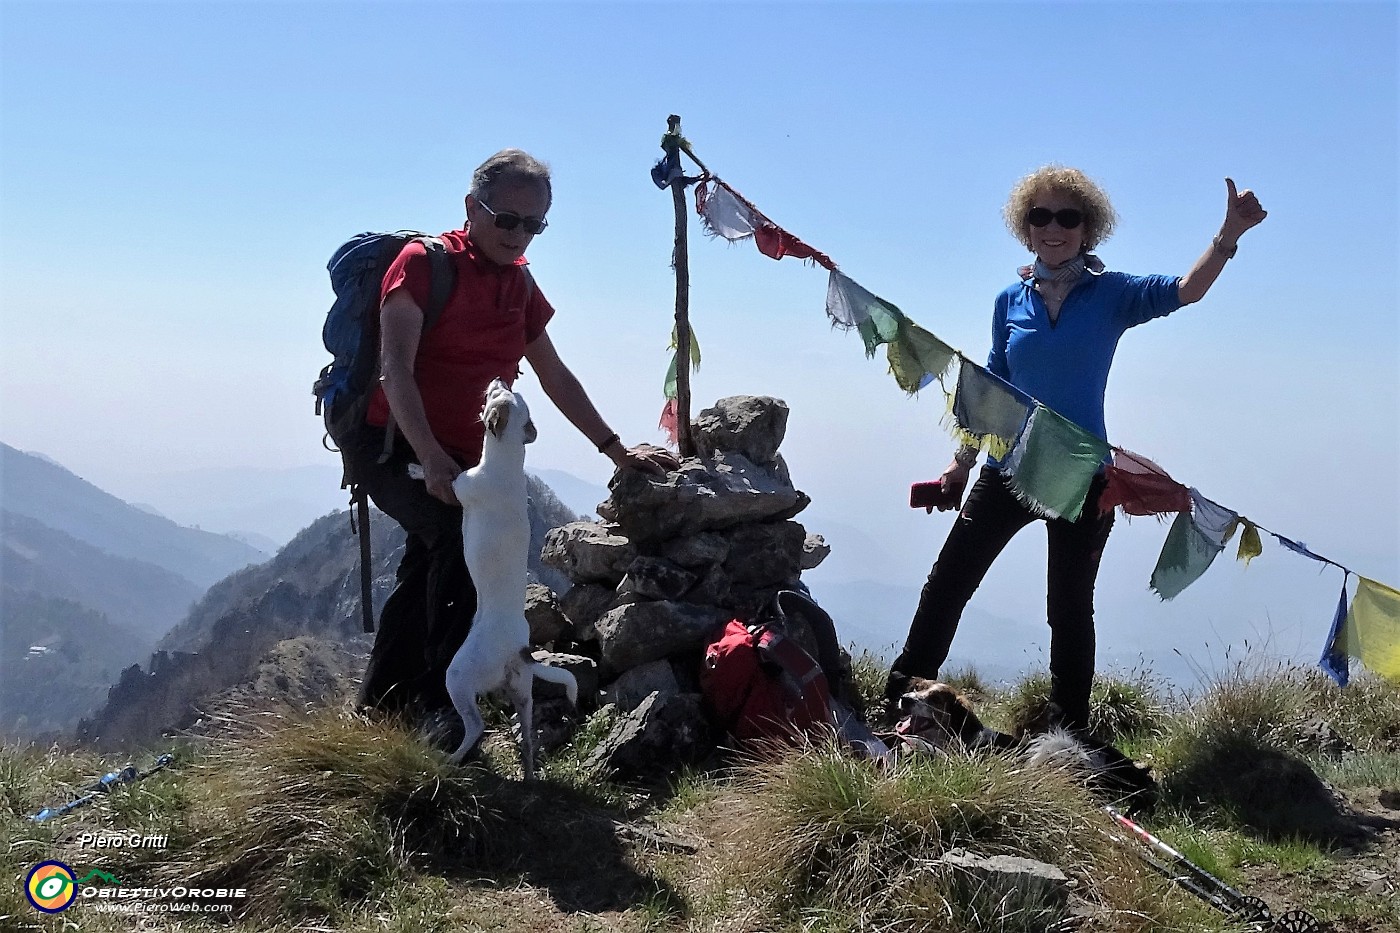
<point>1217,893</point>
<point>103,785</point>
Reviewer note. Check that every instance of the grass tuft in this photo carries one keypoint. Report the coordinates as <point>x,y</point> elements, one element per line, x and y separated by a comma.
<point>1120,707</point>
<point>826,836</point>
<point>332,810</point>
<point>868,673</point>
<point>1232,751</point>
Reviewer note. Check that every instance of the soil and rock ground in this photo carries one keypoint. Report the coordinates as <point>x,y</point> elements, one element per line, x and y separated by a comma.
<point>335,823</point>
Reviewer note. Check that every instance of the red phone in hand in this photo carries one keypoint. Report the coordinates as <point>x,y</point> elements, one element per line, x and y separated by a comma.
<point>930,496</point>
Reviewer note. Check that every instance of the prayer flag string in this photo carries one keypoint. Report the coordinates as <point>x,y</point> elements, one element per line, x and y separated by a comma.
<point>1049,460</point>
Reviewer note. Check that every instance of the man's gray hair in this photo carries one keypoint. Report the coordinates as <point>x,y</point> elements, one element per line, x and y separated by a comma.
<point>510,165</point>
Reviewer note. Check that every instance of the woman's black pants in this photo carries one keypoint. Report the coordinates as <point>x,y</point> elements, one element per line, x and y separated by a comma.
<point>989,519</point>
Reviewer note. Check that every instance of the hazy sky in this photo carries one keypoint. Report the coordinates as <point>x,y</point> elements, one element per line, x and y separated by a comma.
<point>175,177</point>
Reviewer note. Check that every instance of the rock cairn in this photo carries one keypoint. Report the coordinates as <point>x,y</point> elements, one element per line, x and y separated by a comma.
<point>671,562</point>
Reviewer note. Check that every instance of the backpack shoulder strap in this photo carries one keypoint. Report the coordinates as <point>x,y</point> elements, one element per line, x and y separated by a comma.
<point>444,279</point>
<point>822,626</point>
<point>529,285</point>
<point>359,501</point>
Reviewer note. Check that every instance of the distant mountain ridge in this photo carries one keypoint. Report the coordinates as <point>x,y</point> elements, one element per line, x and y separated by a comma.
<point>579,495</point>
<point>239,633</point>
<point>268,506</point>
<point>37,488</point>
<point>141,596</point>
<point>58,658</point>
<point>265,505</point>
<point>90,583</point>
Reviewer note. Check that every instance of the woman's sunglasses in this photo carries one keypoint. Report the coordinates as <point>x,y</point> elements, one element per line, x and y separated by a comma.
<point>1067,217</point>
<point>508,221</point>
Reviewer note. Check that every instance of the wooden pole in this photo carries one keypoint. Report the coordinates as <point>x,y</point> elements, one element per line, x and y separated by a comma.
<point>681,260</point>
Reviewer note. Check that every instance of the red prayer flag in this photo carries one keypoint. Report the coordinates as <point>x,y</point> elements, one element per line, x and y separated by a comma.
<point>671,421</point>
<point>775,243</point>
<point>1141,487</point>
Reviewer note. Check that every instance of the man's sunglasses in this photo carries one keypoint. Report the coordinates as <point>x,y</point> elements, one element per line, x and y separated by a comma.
<point>508,221</point>
<point>1067,217</point>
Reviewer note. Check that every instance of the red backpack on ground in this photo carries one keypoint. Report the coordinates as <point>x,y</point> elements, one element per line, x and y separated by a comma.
<point>761,685</point>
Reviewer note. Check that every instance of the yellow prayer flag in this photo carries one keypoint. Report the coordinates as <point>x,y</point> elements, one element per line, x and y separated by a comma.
<point>1250,545</point>
<point>1371,633</point>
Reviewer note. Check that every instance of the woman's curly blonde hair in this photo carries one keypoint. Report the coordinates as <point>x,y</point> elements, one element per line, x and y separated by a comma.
<point>1099,216</point>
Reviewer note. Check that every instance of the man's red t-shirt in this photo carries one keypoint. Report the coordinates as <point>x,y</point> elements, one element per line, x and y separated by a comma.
<point>481,335</point>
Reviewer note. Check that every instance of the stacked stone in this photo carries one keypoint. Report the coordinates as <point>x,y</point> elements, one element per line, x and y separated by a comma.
<point>671,562</point>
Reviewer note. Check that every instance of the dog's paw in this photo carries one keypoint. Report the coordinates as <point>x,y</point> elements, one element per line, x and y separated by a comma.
<point>442,729</point>
<point>415,471</point>
<point>467,756</point>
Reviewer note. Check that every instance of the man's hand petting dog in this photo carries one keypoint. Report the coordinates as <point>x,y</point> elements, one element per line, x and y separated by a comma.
<point>439,471</point>
<point>647,458</point>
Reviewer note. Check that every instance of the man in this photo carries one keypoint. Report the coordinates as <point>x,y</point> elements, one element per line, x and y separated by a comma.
<point>431,389</point>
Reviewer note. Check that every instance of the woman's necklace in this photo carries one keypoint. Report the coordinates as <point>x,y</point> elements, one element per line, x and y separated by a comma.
<point>1054,295</point>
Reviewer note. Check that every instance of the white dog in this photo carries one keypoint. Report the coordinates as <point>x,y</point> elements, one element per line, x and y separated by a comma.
<point>496,542</point>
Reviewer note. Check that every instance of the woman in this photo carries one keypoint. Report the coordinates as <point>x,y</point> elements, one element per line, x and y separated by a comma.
<point>1053,336</point>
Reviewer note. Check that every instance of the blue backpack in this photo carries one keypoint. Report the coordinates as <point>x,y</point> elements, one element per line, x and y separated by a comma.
<point>351,331</point>
<point>351,334</point>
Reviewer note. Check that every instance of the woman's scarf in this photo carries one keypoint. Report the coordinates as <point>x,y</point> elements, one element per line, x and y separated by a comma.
<point>1056,283</point>
<point>1068,273</point>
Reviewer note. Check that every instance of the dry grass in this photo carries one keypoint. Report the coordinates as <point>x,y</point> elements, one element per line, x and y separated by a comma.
<point>825,836</point>
<point>333,822</point>
<point>1121,707</point>
<point>1236,754</point>
<point>326,811</point>
<point>333,816</point>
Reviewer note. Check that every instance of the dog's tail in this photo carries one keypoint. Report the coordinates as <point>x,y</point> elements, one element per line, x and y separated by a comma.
<point>1059,749</point>
<point>557,675</point>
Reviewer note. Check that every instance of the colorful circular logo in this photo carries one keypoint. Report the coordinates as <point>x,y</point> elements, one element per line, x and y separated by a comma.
<point>50,887</point>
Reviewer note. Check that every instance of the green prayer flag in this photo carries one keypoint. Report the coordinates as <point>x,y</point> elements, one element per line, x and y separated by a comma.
<point>671,390</point>
<point>849,306</point>
<point>1054,462</point>
<point>882,326</point>
<point>1186,554</point>
<point>917,357</point>
<point>694,346</point>
<point>1192,543</point>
